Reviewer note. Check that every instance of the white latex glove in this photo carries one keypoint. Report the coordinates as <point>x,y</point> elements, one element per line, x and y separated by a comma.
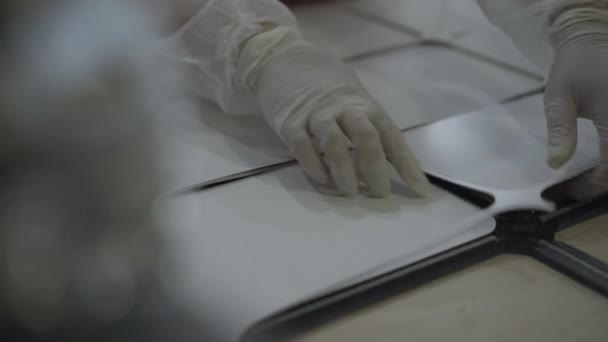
<point>318,106</point>
<point>247,56</point>
<point>576,88</point>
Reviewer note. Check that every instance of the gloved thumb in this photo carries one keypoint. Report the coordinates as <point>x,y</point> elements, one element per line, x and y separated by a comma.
<point>561,113</point>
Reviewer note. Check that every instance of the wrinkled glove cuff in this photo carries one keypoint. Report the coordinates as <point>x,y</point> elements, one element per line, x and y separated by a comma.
<point>565,6</point>
<point>577,24</point>
<point>261,49</point>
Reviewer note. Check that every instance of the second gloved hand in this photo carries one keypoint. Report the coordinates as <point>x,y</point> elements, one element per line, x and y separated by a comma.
<point>576,87</point>
<point>319,108</point>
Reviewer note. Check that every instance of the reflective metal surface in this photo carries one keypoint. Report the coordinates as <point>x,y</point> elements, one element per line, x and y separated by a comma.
<point>501,151</point>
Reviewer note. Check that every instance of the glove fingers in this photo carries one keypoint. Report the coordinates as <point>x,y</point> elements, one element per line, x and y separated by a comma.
<point>302,147</point>
<point>338,158</point>
<point>406,164</point>
<point>400,155</point>
<point>372,159</point>
<point>561,112</point>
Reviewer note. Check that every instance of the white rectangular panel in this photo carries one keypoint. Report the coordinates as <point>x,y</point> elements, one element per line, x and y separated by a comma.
<point>201,144</point>
<point>440,19</point>
<point>428,83</point>
<point>501,151</point>
<point>250,249</point>
<point>343,34</point>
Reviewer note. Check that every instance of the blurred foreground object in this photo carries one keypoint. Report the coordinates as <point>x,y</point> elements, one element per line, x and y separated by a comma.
<point>79,167</point>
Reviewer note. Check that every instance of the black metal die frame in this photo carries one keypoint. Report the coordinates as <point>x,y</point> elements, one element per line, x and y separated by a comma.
<point>527,233</point>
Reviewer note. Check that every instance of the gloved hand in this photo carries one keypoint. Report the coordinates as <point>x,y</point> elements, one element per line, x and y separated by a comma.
<point>576,88</point>
<point>319,108</point>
